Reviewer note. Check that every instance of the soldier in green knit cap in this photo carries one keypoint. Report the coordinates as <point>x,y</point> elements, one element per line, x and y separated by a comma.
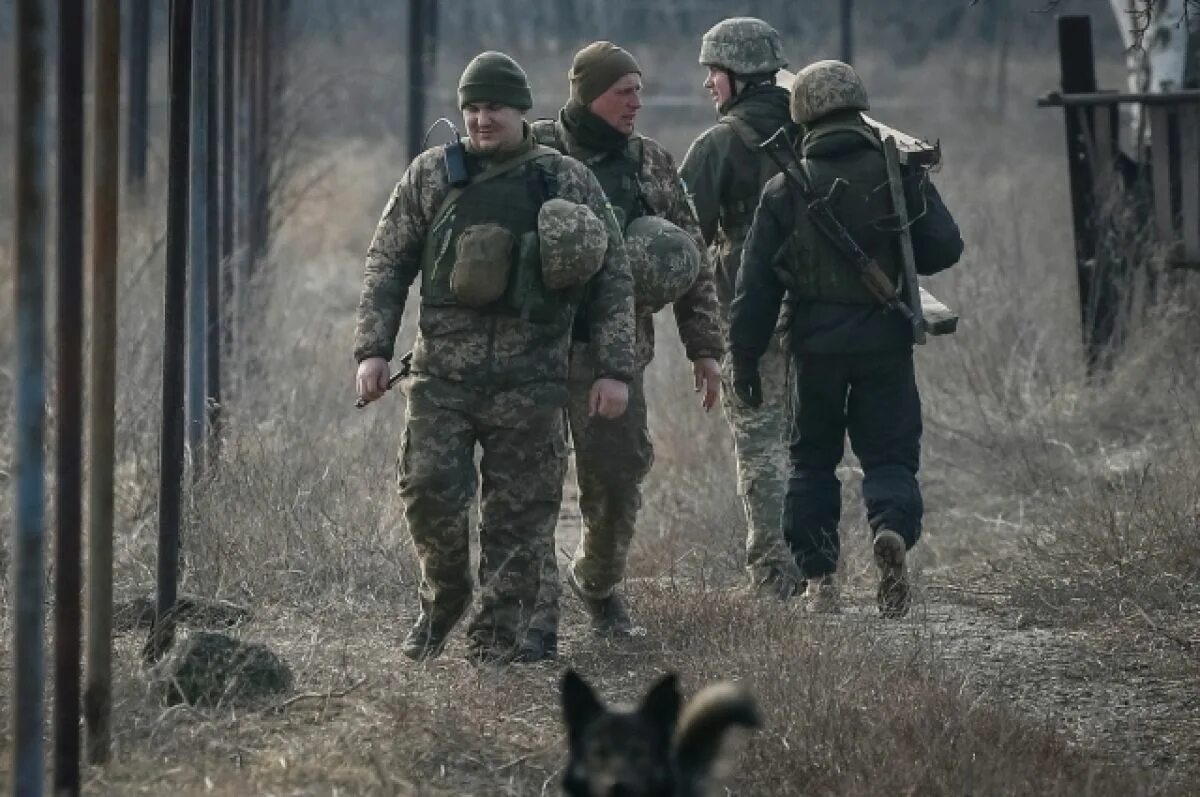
<point>498,300</point>
<point>665,248</point>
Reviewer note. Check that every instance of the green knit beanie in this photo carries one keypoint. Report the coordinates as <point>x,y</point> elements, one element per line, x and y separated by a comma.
<point>494,77</point>
<point>598,66</point>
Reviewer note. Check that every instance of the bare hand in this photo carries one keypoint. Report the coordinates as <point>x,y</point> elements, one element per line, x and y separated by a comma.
<point>372,378</point>
<point>708,378</point>
<point>608,398</point>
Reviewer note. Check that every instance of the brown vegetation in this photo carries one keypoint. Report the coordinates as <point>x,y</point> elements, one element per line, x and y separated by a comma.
<point>1055,636</point>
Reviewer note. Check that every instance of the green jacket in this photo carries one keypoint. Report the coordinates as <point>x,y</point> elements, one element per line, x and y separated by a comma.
<point>659,192</point>
<point>725,176</point>
<point>478,347</point>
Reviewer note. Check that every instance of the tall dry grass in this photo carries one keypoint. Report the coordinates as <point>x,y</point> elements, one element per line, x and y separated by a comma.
<point>1070,492</point>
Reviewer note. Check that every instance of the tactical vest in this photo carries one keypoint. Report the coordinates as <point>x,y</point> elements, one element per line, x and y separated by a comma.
<point>862,203</point>
<point>511,200</point>
<point>618,172</point>
<point>750,170</point>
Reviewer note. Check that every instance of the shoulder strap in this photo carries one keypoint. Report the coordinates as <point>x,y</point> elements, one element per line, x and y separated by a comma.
<point>744,131</point>
<point>452,196</point>
<point>750,137</point>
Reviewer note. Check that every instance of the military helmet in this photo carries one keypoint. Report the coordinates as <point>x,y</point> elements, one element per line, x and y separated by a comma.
<point>664,260</point>
<point>824,87</point>
<point>744,46</point>
<point>573,243</point>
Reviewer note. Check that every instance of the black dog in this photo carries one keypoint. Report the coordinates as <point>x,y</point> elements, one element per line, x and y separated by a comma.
<point>651,750</point>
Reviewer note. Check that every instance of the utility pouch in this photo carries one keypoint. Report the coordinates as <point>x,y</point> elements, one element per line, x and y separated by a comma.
<point>482,265</point>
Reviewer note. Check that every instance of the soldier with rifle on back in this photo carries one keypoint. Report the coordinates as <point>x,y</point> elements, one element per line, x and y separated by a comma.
<point>829,238</point>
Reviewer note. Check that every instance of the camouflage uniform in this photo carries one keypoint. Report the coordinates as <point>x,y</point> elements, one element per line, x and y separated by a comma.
<point>612,457</point>
<point>482,375</point>
<point>852,358</point>
<point>725,176</point>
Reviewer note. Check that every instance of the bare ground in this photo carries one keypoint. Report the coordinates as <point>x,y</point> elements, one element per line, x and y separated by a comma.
<point>969,695</point>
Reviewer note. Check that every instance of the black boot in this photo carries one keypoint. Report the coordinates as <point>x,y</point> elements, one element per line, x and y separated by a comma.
<point>609,616</point>
<point>426,639</point>
<point>538,645</point>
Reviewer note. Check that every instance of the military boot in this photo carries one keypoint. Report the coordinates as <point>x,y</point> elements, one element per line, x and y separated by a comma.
<point>429,633</point>
<point>538,645</point>
<point>821,595</point>
<point>480,652</point>
<point>893,596</point>
<point>609,616</point>
<point>777,581</point>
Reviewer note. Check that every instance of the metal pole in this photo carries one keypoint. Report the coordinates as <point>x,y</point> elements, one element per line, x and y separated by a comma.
<point>847,30</point>
<point>228,198</point>
<point>106,63</point>
<point>263,105</point>
<point>212,346</point>
<point>175,305</point>
<point>253,161</point>
<point>245,175</point>
<point>417,27</point>
<point>68,573</point>
<point>198,230</point>
<point>29,289</point>
<point>139,68</point>
<point>1078,70</point>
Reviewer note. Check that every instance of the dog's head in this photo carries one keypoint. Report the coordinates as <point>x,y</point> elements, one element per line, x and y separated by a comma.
<point>619,752</point>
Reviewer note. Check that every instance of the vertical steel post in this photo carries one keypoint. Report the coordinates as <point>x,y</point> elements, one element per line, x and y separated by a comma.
<point>175,306</point>
<point>212,345</point>
<point>229,106</point>
<point>1096,302</point>
<point>68,549</point>
<point>417,10</point>
<point>847,30</point>
<point>198,231</point>
<point>29,285</point>
<point>263,105</point>
<point>138,80</point>
<point>106,72</point>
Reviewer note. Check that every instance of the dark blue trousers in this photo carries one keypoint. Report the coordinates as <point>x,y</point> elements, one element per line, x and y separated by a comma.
<point>874,399</point>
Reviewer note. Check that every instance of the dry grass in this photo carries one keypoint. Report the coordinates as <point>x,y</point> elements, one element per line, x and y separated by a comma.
<point>1066,495</point>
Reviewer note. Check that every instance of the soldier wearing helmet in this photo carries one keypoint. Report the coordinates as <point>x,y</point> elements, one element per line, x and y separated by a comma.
<point>852,357</point>
<point>725,175</point>
<point>613,457</point>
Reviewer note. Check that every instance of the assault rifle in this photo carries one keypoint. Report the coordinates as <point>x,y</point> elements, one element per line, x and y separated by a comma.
<point>827,223</point>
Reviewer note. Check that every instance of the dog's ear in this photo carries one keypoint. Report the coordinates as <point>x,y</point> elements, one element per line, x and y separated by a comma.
<point>662,702</point>
<point>580,704</point>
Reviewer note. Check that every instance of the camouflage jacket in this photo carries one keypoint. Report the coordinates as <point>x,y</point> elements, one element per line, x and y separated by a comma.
<point>726,178</point>
<point>471,346</point>
<point>697,312</point>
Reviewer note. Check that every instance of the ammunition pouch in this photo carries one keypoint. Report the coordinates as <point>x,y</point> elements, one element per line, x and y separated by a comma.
<point>483,260</point>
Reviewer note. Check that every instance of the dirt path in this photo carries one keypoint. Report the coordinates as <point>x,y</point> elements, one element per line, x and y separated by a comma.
<point>1134,696</point>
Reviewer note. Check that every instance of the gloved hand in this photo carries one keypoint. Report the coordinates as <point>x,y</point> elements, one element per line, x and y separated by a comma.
<point>747,384</point>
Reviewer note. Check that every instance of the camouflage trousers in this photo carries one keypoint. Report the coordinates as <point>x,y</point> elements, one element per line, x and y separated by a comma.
<point>523,440</point>
<point>612,458</point>
<point>760,439</point>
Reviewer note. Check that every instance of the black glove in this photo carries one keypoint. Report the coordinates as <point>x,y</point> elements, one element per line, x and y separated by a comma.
<point>747,384</point>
